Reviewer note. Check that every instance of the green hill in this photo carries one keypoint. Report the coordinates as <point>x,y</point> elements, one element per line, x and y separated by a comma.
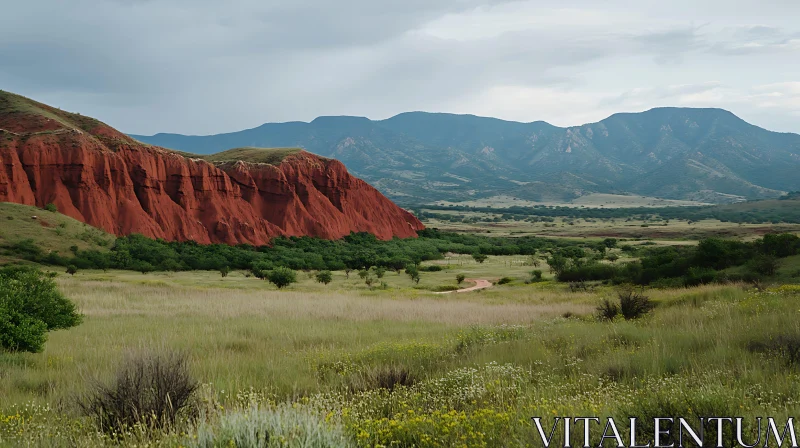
<point>24,228</point>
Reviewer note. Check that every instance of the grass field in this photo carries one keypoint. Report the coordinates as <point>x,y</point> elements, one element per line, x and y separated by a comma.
<point>590,200</point>
<point>669,230</point>
<point>482,363</point>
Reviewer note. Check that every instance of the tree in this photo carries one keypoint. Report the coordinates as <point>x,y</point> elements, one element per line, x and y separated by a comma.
<point>282,276</point>
<point>51,207</point>
<point>612,257</point>
<point>30,306</point>
<point>460,278</point>
<point>413,272</point>
<point>324,277</point>
<point>764,265</point>
<point>224,271</point>
<point>72,269</point>
<point>479,257</point>
<point>379,271</point>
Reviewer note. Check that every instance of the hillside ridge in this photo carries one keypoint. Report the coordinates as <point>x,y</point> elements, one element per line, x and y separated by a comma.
<point>101,177</point>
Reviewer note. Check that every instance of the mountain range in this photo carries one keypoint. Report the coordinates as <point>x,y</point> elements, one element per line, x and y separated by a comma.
<point>707,155</point>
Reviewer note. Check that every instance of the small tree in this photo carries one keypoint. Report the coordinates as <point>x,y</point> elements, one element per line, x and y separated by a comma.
<point>51,207</point>
<point>479,257</point>
<point>363,273</point>
<point>413,272</point>
<point>324,277</point>
<point>379,271</point>
<point>282,277</point>
<point>30,306</point>
<point>612,257</point>
<point>764,265</point>
<point>224,271</point>
<point>72,269</point>
<point>460,278</point>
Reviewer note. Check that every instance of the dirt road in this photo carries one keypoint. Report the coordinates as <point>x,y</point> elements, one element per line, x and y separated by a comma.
<point>479,284</point>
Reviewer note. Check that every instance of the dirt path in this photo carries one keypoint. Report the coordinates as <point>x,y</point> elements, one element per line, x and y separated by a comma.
<point>479,284</point>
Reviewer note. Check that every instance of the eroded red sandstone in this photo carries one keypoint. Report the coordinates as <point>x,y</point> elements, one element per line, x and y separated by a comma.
<point>112,182</point>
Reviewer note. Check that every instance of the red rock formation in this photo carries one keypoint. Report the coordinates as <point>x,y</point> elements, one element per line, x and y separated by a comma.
<point>99,176</point>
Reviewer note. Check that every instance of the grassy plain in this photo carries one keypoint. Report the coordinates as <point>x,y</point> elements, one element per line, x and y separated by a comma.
<point>671,230</point>
<point>478,365</point>
<point>505,354</point>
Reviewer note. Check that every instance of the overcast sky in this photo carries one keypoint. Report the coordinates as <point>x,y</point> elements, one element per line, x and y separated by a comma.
<point>210,66</point>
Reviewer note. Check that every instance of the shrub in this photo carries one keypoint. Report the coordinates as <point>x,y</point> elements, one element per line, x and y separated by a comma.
<point>150,389</point>
<point>282,277</point>
<point>431,268</point>
<point>30,306</point>
<point>699,276</point>
<point>382,377</point>
<point>379,271</point>
<point>607,310</point>
<point>479,257</point>
<point>224,271</point>
<point>536,276</point>
<point>505,280</point>
<point>324,277</point>
<point>284,425</point>
<point>72,269</point>
<point>51,207</point>
<point>763,264</point>
<point>460,278</point>
<point>633,303</point>
<point>783,346</point>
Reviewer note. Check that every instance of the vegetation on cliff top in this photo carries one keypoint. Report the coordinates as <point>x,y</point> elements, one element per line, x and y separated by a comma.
<point>271,156</point>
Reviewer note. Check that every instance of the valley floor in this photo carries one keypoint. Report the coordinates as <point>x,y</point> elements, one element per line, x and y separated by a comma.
<point>401,366</point>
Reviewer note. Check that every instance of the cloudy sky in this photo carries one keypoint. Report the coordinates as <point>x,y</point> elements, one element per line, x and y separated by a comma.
<point>208,66</point>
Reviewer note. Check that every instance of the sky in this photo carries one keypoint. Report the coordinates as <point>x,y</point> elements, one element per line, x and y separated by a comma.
<point>207,66</point>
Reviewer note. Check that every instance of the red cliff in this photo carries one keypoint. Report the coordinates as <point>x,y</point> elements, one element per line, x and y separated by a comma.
<point>99,176</point>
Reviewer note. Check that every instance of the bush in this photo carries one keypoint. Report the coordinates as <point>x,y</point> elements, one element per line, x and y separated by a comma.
<point>607,310</point>
<point>633,303</point>
<point>224,271</point>
<point>282,277</point>
<point>284,425</point>
<point>30,306</point>
<point>536,276</point>
<point>72,269</point>
<point>382,377</point>
<point>763,264</point>
<point>324,277</point>
<point>51,207</point>
<point>431,268</point>
<point>149,389</point>
<point>479,257</point>
<point>505,280</point>
<point>460,278</point>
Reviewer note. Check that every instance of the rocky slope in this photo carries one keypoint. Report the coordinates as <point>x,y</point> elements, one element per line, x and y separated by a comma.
<point>99,176</point>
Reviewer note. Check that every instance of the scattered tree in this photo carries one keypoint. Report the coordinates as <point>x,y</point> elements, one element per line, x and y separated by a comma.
<point>281,277</point>
<point>224,271</point>
<point>479,257</point>
<point>413,272</point>
<point>324,277</point>
<point>460,278</point>
<point>72,269</point>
